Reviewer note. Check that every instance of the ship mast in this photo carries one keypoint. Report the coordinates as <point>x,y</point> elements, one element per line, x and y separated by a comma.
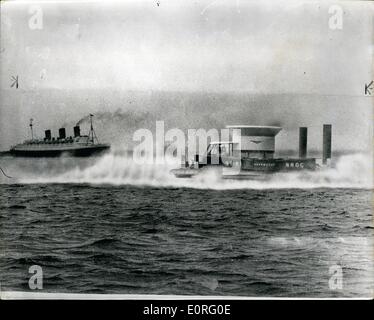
<point>32,133</point>
<point>92,135</point>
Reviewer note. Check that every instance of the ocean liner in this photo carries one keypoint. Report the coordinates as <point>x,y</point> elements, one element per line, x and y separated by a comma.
<point>77,146</point>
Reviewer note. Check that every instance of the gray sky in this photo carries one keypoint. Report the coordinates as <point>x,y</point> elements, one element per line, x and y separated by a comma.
<point>254,47</point>
<point>262,46</point>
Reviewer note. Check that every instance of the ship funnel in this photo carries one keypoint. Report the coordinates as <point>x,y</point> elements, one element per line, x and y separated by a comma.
<point>77,131</point>
<point>47,134</point>
<point>303,141</point>
<point>326,152</point>
<point>62,133</point>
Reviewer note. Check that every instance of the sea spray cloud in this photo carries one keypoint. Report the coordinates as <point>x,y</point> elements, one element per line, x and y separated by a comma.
<point>350,171</point>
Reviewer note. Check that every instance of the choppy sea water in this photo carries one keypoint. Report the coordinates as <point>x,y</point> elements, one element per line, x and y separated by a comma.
<point>109,226</point>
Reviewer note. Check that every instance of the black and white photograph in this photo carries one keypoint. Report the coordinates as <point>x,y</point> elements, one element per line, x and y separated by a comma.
<point>169,149</point>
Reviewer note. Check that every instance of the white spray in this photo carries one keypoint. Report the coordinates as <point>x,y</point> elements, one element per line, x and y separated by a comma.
<point>350,171</point>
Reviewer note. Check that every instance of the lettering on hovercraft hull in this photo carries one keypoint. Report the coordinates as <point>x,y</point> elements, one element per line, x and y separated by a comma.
<point>278,164</point>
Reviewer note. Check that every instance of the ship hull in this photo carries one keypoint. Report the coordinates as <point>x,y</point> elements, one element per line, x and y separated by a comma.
<point>251,169</point>
<point>73,152</point>
<point>242,175</point>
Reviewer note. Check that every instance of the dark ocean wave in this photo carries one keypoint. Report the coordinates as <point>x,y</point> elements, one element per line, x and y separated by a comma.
<point>16,207</point>
<point>38,259</point>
